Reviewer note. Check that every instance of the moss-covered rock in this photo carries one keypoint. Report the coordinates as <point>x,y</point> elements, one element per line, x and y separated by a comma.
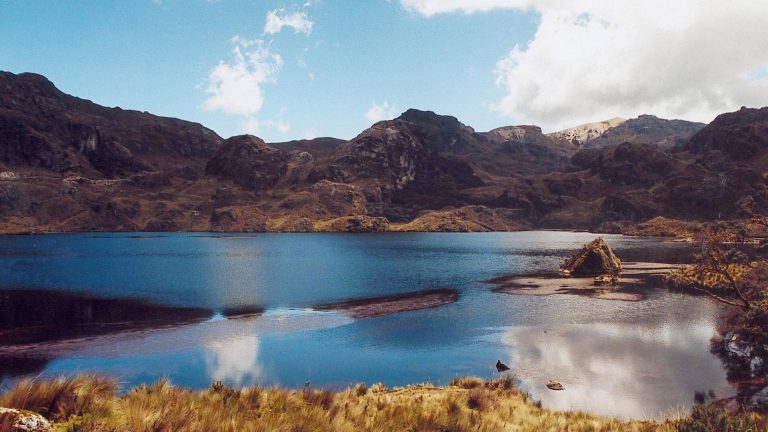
<point>595,258</point>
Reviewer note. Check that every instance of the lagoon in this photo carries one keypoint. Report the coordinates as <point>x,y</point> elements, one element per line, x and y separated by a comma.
<point>638,359</point>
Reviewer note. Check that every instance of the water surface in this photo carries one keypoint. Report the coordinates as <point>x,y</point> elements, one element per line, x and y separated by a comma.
<point>630,359</point>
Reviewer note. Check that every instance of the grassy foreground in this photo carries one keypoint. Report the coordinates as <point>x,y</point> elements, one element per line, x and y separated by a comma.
<point>91,403</point>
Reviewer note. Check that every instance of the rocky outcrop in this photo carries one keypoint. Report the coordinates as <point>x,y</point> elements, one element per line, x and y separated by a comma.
<point>247,161</point>
<point>354,224</point>
<point>466,219</point>
<point>14,420</point>
<point>594,259</point>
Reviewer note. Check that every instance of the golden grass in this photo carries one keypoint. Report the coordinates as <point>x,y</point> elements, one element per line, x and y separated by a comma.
<point>89,403</point>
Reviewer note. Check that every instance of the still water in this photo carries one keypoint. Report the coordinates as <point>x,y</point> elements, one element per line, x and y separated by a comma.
<point>639,359</point>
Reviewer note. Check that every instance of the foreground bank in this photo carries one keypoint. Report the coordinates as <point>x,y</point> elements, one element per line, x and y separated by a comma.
<point>89,403</point>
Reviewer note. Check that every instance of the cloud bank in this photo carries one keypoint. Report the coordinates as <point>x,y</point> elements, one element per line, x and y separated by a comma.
<point>593,60</point>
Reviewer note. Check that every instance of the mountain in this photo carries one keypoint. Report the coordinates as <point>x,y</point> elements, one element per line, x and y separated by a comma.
<point>648,129</point>
<point>740,136</point>
<point>41,127</point>
<point>581,134</point>
<point>67,164</point>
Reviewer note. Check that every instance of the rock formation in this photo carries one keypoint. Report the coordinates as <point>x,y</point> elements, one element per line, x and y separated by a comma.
<point>14,420</point>
<point>594,259</point>
<point>249,162</point>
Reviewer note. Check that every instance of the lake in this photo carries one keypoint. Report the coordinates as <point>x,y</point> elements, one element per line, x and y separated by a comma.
<point>641,359</point>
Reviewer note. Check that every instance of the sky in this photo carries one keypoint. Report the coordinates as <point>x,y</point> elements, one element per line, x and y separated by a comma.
<point>287,70</point>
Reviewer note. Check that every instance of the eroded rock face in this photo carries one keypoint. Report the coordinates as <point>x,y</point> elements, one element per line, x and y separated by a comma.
<point>595,258</point>
<point>14,420</point>
<point>249,162</point>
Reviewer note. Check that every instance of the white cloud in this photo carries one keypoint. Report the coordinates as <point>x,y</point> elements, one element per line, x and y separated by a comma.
<point>428,8</point>
<point>596,59</point>
<point>237,87</point>
<point>279,18</point>
<point>384,111</point>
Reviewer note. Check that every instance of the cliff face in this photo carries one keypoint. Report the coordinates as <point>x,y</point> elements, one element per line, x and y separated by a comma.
<point>67,164</point>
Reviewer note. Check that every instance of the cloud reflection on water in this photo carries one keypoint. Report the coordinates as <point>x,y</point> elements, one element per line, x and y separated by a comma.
<point>641,370</point>
<point>234,361</point>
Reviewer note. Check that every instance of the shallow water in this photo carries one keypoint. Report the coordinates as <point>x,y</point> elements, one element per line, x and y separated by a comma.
<point>631,359</point>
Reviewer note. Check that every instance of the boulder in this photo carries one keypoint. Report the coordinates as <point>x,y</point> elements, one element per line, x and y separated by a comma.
<point>595,258</point>
<point>15,420</point>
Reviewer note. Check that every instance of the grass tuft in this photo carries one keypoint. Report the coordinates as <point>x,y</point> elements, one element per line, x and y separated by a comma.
<point>89,403</point>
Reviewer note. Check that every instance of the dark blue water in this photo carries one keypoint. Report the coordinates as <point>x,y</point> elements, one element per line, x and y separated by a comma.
<point>634,359</point>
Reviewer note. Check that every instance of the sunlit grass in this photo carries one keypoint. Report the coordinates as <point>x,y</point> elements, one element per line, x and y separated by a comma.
<point>89,403</point>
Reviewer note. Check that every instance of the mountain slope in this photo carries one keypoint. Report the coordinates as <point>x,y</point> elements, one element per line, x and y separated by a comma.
<point>42,127</point>
<point>67,164</point>
<point>648,129</point>
<point>581,134</point>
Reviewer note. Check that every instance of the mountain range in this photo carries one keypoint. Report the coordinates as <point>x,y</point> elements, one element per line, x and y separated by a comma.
<point>68,164</point>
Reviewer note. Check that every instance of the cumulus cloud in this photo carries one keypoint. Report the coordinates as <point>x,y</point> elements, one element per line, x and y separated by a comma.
<point>237,87</point>
<point>279,18</point>
<point>593,60</point>
<point>379,112</point>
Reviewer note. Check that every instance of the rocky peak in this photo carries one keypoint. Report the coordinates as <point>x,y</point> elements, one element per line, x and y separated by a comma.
<point>430,118</point>
<point>742,135</point>
<point>581,134</point>
<point>249,162</point>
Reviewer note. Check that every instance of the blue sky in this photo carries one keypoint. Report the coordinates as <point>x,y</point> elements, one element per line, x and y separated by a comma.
<point>157,57</point>
<point>337,65</point>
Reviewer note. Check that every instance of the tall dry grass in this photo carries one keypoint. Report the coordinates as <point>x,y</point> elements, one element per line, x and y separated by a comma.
<point>89,403</point>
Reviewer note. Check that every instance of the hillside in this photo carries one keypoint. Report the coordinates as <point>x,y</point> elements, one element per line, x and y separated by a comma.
<point>67,164</point>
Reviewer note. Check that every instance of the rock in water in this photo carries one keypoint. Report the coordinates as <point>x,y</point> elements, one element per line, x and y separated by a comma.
<point>595,258</point>
<point>14,420</point>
